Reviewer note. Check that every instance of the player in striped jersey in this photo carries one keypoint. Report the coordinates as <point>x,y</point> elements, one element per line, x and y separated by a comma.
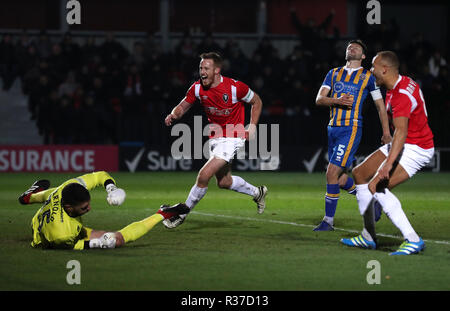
<point>344,91</point>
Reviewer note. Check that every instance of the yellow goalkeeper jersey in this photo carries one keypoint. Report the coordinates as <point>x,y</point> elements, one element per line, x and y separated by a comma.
<point>52,226</point>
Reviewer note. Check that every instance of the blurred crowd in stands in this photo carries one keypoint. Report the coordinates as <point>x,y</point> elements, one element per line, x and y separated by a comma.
<point>99,93</point>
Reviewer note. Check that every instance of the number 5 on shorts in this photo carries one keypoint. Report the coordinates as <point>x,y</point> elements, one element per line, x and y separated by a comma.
<point>340,150</point>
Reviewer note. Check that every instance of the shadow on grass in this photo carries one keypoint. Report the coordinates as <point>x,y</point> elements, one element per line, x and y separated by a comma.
<point>384,244</point>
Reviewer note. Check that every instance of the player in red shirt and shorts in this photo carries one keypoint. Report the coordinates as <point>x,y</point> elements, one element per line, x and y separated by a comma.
<point>411,149</point>
<point>223,100</point>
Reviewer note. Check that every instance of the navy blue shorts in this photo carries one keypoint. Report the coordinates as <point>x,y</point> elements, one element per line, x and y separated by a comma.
<point>343,142</point>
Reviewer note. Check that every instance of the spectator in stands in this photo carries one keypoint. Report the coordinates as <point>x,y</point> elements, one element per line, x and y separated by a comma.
<point>112,52</point>
<point>256,64</point>
<point>88,50</point>
<point>43,45</point>
<point>309,32</point>
<point>239,65</point>
<point>28,60</point>
<point>266,49</point>
<point>137,56</point>
<point>208,44</point>
<point>134,111</point>
<point>435,62</point>
<point>58,63</point>
<point>71,51</point>
<point>299,62</point>
<point>9,68</point>
<point>69,86</point>
<point>92,129</point>
<point>187,47</point>
<point>63,120</point>
<point>101,67</point>
<point>43,108</point>
<point>150,45</point>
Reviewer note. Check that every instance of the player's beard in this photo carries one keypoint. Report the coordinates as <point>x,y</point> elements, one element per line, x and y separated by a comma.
<point>350,57</point>
<point>206,83</point>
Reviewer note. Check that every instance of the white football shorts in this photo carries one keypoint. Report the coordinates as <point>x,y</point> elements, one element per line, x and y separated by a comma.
<point>412,158</point>
<point>225,147</point>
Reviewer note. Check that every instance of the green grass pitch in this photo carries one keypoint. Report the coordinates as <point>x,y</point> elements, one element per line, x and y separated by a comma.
<point>225,245</point>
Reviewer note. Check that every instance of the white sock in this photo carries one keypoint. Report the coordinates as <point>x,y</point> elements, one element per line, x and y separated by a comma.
<point>393,209</point>
<point>195,195</point>
<point>363,197</point>
<point>366,235</point>
<point>240,185</point>
<point>329,220</point>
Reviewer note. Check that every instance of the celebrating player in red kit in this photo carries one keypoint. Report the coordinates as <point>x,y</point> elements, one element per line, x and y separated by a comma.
<point>223,100</point>
<point>392,164</point>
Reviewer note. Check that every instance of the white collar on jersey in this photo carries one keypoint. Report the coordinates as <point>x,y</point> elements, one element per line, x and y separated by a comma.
<point>350,70</point>
<point>398,80</point>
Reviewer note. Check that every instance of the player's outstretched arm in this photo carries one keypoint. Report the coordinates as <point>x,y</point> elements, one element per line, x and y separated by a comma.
<point>95,179</point>
<point>177,112</point>
<point>115,195</point>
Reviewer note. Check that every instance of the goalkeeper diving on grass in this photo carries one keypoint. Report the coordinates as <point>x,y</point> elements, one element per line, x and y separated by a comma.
<point>58,224</point>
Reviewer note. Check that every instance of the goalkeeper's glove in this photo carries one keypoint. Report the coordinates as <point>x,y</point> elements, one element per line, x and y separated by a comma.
<point>115,196</point>
<point>107,240</point>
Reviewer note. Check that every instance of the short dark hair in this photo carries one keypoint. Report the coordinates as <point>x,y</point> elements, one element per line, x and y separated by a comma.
<point>74,194</point>
<point>359,42</point>
<point>390,58</point>
<point>217,59</point>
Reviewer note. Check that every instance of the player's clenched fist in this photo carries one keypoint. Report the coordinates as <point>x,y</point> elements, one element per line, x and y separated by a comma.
<point>169,119</point>
<point>345,100</point>
<point>116,196</point>
<point>250,132</point>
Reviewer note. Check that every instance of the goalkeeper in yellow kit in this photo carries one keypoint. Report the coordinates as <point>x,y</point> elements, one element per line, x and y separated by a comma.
<point>58,223</point>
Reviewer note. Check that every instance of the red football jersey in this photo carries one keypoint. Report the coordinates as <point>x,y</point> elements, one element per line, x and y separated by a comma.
<point>223,104</point>
<point>406,100</point>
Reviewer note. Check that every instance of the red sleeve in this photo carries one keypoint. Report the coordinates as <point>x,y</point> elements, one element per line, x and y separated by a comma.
<point>241,89</point>
<point>243,92</point>
<point>401,106</point>
<point>190,94</point>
